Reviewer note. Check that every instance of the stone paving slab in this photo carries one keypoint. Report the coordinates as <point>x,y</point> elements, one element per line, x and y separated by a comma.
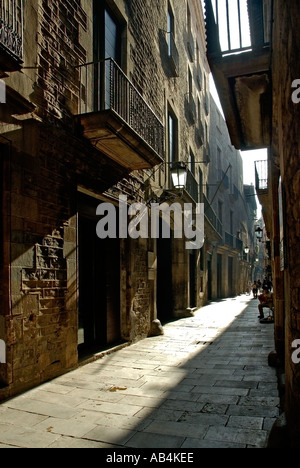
<point>204,384</point>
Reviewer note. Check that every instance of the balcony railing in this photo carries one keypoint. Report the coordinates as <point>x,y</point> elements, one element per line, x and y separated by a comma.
<point>212,217</point>
<point>192,186</point>
<point>104,86</point>
<point>11,28</point>
<point>261,175</point>
<point>239,245</point>
<point>229,239</point>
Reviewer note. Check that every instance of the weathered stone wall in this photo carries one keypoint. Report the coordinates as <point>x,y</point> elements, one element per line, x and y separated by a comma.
<point>286,148</point>
<point>237,220</point>
<point>60,48</point>
<point>49,161</point>
<point>41,328</point>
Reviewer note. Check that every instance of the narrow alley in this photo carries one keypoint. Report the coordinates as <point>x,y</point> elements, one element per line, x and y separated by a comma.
<point>205,384</point>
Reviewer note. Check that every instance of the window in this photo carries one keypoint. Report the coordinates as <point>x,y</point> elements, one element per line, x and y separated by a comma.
<point>220,211</point>
<point>172,137</point>
<point>200,182</point>
<point>189,21</point>
<point>111,37</point>
<point>198,65</point>
<point>231,221</point>
<point>172,51</point>
<point>107,45</point>
<point>192,108</point>
<point>107,34</point>
<point>219,163</point>
<point>190,83</point>
<point>192,163</point>
<point>190,39</point>
<point>171,31</point>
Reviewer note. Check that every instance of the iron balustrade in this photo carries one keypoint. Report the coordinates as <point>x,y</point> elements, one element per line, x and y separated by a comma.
<point>192,186</point>
<point>210,214</point>
<point>11,27</point>
<point>239,245</point>
<point>104,86</point>
<point>229,239</point>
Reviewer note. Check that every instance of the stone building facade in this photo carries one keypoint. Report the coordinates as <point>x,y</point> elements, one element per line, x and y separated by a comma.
<point>259,90</point>
<point>101,99</point>
<point>229,267</point>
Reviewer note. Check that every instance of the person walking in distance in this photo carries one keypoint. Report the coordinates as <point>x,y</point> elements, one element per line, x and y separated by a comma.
<point>254,290</point>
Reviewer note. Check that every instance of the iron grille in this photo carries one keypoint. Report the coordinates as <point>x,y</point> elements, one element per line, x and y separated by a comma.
<point>104,86</point>
<point>11,27</point>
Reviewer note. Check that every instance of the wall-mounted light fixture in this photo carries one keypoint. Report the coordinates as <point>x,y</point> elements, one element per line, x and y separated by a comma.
<point>179,173</point>
<point>259,233</point>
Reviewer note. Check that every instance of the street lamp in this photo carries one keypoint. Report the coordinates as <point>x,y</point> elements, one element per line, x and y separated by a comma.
<point>179,175</point>
<point>259,233</point>
<point>246,250</point>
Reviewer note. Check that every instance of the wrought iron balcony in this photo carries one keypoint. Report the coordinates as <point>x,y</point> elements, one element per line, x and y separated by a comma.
<point>238,48</point>
<point>213,227</point>
<point>116,118</point>
<point>229,240</point>
<point>239,245</point>
<point>192,186</point>
<point>11,34</point>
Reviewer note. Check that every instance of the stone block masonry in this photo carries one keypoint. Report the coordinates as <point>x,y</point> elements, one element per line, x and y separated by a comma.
<point>205,384</point>
<point>41,330</point>
<point>60,50</point>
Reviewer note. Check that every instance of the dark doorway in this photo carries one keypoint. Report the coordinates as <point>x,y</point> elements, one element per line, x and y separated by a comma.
<point>164,278</point>
<point>219,276</point>
<point>230,277</point>
<point>99,282</point>
<point>209,280</point>
<point>193,286</point>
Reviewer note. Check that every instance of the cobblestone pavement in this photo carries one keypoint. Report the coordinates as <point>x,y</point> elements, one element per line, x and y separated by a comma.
<point>204,384</point>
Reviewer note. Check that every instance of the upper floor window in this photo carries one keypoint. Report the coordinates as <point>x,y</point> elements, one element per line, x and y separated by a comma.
<point>107,34</point>
<point>192,166</point>
<point>171,31</point>
<point>172,137</point>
